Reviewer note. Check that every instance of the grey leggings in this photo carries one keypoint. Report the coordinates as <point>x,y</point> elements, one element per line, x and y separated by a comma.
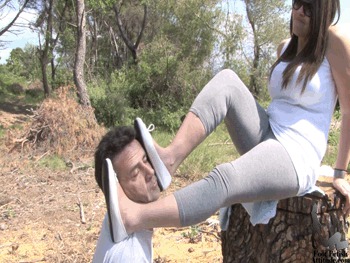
<point>264,171</point>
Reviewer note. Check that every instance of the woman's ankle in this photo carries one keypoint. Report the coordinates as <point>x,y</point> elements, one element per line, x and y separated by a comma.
<point>166,155</point>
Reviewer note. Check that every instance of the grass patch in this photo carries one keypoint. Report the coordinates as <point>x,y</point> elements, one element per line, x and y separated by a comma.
<point>14,88</point>
<point>16,126</point>
<point>54,163</point>
<point>332,148</point>
<point>217,148</point>
<point>33,96</point>
<point>333,141</point>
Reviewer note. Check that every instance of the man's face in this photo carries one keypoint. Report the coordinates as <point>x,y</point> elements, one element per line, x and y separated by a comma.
<point>135,174</point>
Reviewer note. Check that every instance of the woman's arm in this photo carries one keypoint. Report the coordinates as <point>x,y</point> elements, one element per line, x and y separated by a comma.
<point>163,212</point>
<point>338,55</point>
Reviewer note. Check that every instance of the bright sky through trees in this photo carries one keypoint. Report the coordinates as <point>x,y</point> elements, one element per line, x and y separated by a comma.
<point>27,36</point>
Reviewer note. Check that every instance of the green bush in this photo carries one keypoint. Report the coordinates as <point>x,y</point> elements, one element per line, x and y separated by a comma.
<point>34,95</point>
<point>7,81</point>
<point>333,140</point>
<point>159,89</point>
<point>15,88</point>
<point>63,77</point>
<point>111,106</point>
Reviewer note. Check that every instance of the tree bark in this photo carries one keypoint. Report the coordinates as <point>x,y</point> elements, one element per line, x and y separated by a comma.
<point>80,54</point>
<point>45,50</point>
<point>43,65</point>
<point>305,229</point>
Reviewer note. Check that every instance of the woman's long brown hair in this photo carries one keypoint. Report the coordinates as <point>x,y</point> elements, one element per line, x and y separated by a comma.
<point>313,54</point>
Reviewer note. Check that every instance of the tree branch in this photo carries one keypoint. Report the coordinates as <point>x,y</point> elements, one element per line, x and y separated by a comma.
<point>142,28</point>
<point>15,18</point>
<point>131,46</point>
<point>120,27</point>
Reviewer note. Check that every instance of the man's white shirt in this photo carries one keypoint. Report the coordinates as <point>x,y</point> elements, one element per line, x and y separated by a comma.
<point>137,247</point>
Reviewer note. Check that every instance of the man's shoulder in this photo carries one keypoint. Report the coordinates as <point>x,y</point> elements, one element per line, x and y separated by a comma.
<point>137,247</point>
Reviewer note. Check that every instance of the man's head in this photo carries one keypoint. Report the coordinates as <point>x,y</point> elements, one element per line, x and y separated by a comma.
<point>135,173</point>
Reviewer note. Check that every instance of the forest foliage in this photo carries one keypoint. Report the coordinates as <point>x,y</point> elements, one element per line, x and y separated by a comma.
<point>147,58</point>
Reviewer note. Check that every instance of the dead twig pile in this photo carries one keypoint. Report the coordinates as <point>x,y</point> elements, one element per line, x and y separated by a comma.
<point>62,126</point>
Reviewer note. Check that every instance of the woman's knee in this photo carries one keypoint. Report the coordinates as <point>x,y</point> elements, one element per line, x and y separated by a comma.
<point>224,171</point>
<point>230,80</point>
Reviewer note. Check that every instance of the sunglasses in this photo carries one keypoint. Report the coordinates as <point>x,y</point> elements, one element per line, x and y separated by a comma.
<point>307,6</point>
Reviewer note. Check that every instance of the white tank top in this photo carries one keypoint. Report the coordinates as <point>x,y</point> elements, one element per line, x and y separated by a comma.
<point>301,122</point>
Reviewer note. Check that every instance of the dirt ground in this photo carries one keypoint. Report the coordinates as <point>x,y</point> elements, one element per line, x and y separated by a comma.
<point>55,216</point>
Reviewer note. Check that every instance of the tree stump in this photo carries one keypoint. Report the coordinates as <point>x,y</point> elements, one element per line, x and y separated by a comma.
<point>310,228</point>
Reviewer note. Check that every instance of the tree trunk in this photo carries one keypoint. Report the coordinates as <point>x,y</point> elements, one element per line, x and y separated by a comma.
<point>305,229</point>
<point>80,54</point>
<point>53,72</point>
<point>43,65</point>
<point>45,50</point>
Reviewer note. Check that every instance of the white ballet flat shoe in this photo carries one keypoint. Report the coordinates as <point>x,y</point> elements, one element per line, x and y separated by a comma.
<point>110,190</point>
<point>145,138</point>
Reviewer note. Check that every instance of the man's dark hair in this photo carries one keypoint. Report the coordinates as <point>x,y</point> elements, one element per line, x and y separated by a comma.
<point>111,144</point>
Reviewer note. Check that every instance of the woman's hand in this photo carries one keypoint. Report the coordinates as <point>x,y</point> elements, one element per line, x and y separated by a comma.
<point>344,188</point>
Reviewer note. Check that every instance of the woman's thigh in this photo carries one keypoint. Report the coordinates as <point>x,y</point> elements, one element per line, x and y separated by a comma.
<point>264,173</point>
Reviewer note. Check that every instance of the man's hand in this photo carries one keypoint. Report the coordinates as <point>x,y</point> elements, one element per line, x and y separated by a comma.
<point>344,188</point>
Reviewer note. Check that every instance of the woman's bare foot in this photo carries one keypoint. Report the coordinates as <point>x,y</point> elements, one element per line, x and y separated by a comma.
<point>166,156</point>
<point>190,134</point>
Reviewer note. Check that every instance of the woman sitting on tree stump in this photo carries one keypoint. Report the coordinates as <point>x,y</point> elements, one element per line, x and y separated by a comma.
<point>281,148</point>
